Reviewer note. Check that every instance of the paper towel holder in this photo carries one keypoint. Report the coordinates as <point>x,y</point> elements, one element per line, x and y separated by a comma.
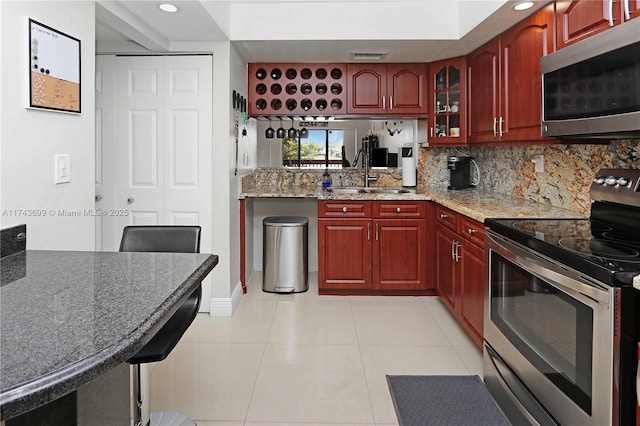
<point>409,170</point>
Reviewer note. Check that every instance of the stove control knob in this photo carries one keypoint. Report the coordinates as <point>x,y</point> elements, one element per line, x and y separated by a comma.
<point>599,180</point>
<point>622,181</point>
<point>610,180</point>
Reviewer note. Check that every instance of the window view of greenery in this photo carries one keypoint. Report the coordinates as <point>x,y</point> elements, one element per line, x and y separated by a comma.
<point>322,149</point>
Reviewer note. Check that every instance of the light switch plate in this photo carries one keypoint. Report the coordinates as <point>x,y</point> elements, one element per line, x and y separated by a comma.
<point>62,168</point>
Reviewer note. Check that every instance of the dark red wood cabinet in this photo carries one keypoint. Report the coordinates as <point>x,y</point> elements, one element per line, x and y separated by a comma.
<point>448,102</point>
<point>376,246</point>
<point>580,19</point>
<point>459,243</point>
<point>504,83</point>
<point>297,89</point>
<point>387,89</point>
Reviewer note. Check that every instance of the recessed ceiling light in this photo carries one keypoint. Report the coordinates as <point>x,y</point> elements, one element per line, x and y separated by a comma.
<point>168,7</point>
<point>523,5</point>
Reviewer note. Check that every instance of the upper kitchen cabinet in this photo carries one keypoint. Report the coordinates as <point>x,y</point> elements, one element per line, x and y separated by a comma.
<point>297,89</point>
<point>579,19</point>
<point>448,102</point>
<point>505,85</point>
<point>387,89</point>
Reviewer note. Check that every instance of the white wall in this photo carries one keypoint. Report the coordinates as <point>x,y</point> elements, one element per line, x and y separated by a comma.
<point>29,139</point>
<point>238,81</point>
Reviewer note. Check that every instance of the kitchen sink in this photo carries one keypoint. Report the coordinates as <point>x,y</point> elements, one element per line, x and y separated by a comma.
<point>387,191</point>
<point>358,190</point>
<point>347,190</point>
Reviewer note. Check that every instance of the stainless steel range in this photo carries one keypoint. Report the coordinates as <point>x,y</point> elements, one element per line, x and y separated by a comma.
<point>562,314</point>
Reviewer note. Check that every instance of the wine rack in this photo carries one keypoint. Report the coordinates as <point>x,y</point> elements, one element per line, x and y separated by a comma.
<point>297,89</point>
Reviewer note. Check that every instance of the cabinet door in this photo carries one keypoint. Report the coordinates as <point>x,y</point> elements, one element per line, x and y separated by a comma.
<point>399,254</point>
<point>522,46</point>
<point>406,89</point>
<point>448,102</point>
<point>577,20</point>
<point>445,266</point>
<point>344,253</point>
<point>471,267</point>
<point>483,104</point>
<point>634,10</point>
<point>367,86</point>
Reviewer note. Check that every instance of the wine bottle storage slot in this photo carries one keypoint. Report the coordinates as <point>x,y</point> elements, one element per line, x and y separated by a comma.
<point>297,89</point>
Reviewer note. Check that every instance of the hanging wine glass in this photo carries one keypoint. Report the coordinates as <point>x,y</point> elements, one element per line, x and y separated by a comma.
<point>281,132</point>
<point>292,133</point>
<point>269,133</point>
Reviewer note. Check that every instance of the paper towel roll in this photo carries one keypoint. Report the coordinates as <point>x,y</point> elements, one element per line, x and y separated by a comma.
<point>408,171</point>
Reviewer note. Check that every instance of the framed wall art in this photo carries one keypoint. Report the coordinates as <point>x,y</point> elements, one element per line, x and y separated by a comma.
<point>54,69</point>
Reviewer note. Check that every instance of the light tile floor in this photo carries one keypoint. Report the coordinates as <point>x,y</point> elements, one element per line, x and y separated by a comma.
<point>305,359</point>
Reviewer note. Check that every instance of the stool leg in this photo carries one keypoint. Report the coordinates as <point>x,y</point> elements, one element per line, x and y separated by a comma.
<point>141,415</point>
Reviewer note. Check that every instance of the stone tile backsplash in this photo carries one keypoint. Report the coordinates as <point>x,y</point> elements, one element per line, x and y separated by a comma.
<point>569,169</point>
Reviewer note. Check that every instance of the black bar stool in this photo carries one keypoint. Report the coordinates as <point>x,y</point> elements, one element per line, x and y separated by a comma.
<point>173,239</point>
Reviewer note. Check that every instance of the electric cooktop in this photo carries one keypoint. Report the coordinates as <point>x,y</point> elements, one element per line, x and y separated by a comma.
<point>605,247</point>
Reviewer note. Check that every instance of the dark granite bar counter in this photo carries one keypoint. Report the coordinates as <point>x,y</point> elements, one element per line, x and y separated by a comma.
<point>68,317</point>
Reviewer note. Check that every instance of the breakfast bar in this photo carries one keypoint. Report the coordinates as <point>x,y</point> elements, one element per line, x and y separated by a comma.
<point>68,318</point>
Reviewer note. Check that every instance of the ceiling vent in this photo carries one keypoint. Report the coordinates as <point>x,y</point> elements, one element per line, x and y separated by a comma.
<point>369,55</point>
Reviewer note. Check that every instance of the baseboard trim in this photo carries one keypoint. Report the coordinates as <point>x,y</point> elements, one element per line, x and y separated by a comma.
<point>226,306</point>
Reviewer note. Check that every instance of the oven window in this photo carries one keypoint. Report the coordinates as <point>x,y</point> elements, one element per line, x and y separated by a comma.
<point>551,329</point>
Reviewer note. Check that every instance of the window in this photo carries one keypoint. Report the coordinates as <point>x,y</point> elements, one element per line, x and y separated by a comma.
<point>322,149</point>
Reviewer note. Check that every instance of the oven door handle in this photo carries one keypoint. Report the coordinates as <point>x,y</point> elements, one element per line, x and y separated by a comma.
<point>511,382</point>
<point>570,282</point>
<point>638,377</point>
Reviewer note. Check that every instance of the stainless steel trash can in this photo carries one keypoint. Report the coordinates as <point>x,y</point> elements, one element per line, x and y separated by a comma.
<point>284,254</point>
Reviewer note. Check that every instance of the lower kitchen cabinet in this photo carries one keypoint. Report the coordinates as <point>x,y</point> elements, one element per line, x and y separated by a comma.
<point>399,254</point>
<point>344,253</point>
<point>471,261</point>
<point>459,243</point>
<point>446,266</point>
<point>384,253</point>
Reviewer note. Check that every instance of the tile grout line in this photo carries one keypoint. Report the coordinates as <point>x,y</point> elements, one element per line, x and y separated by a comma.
<point>264,351</point>
<point>364,372</point>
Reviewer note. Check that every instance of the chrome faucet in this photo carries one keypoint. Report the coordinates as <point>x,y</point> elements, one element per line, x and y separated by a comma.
<point>364,153</point>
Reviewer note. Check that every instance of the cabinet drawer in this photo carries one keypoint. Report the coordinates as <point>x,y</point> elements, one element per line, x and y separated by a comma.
<point>339,208</point>
<point>400,209</point>
<point>472,230</point>
<point>447,217</point>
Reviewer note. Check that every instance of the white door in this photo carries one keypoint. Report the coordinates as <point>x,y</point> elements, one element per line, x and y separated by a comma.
<point>106,237</point>
<point>162,146</point>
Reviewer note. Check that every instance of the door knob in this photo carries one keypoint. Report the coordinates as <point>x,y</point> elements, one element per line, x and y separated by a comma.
<point>98,198</point>
<point>130,200</point>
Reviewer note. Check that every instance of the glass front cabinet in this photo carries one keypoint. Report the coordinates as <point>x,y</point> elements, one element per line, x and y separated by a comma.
<point>448,107</point>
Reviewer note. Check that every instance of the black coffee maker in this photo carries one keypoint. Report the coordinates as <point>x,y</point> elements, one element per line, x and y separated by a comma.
<point>460,170</point>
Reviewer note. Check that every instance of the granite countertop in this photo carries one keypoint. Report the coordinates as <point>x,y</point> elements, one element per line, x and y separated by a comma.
<point>470,202</point>
<point>67,317</point>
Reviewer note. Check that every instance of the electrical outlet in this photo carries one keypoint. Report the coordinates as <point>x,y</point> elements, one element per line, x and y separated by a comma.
<point>538,160</point>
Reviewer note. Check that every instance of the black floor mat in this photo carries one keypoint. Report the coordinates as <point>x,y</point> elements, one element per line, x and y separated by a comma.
<point>444,400</point>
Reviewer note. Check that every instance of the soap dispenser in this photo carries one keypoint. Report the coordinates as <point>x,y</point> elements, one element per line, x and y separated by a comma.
<point>326,181</point>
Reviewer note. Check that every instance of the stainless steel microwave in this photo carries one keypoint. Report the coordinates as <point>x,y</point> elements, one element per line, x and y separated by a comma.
<point>591,89</point>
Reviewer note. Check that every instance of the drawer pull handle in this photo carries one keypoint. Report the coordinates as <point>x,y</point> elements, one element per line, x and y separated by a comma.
<point>443,216</point>
<point>471,231</point>
<point>398,210</point>
<point>344,209</point>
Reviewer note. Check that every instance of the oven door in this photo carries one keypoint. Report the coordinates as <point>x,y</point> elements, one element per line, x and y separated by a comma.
<point>549,338</point>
